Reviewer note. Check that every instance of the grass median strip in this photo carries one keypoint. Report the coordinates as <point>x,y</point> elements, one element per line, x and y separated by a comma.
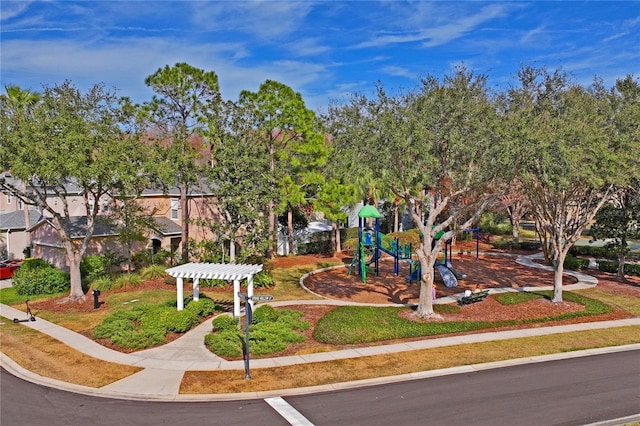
<point>321,373</point>
<point>48,357</point>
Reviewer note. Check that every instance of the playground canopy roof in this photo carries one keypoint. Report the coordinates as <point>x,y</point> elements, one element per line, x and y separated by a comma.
<point>369,211</point>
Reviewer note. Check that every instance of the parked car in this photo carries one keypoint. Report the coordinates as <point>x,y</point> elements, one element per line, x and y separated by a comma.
<point>7,267</point>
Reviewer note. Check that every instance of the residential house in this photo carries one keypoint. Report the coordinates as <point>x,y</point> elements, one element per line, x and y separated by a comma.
<point>43,240</point>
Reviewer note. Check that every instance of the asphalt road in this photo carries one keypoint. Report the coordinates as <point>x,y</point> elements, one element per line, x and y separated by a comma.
<point>574,391</point>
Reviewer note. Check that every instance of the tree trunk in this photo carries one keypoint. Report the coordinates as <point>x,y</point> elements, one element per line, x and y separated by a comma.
<point>271,250</point>
<point>425,302</point>
<point>184,204</point>
<point>75,293</point>
<point>232,250</point>
<point>621,259</point>
<point>272,231</point>
<point>395,217</point>
<point>292,249</point>
<point>337,237</point>
<point>558,271</point>
<point>515,229</point>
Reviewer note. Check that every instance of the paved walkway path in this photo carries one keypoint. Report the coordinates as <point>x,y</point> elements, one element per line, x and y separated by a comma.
<point>164,366</point>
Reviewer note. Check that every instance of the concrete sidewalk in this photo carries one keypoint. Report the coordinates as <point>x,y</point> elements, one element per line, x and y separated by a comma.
<point>164,366</point>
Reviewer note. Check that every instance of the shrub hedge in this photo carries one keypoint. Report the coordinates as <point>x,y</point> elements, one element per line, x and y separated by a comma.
<point>612,267</point>
<point>147,325</point>
<point>35,276</point>
<point>271,331</point>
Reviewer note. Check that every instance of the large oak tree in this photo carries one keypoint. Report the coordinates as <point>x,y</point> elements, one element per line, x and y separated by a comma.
<point>69,139</point>
<point>437,149</point>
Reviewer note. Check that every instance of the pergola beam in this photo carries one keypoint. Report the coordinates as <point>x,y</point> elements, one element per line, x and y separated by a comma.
<point>220,271</point>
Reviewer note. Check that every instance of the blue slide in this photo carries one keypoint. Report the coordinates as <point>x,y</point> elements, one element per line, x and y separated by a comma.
<point>459,275</point>
<point>449,279</point>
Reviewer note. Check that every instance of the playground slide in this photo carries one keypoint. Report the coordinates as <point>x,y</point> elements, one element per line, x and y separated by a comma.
<point>449,279</point>
<point>374,257</point>
<point>459,275</point>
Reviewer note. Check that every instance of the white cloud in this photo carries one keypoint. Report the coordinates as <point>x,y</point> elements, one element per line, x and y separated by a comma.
<point>398,71</point>
<point>436,27</point>
<point>264,19</point>
<point>307,47</point>
<point>11,9</point>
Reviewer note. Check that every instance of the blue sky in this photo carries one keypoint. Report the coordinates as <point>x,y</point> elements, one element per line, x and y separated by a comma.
<point>323,50</point>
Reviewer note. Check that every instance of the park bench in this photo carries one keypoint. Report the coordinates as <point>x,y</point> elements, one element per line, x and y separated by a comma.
<point>473,297</point>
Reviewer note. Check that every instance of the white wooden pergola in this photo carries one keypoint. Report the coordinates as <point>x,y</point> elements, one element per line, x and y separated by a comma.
<point>220,271</point>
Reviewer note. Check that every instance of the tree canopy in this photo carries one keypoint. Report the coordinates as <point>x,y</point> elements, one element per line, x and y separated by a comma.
<point>69,139</point>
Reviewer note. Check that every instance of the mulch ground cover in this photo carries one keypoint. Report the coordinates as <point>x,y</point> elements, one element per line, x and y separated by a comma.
<point>488,271</point>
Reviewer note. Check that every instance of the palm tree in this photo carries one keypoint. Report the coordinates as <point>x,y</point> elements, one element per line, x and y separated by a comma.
<point>19,98</point>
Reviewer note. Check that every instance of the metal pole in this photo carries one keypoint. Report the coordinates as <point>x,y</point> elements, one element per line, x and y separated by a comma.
<point>247,315</point>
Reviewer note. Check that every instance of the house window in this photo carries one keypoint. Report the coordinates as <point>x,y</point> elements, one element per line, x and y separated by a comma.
<point>175,204</point>
<point>8,198</point>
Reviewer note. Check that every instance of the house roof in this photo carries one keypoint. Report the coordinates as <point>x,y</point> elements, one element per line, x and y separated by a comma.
<point>77,226</point>
<point>166,227</point>
<point>15,220</point>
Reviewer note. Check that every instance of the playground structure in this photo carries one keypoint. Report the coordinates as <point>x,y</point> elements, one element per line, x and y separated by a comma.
<point>448,273</point>
<point>372,243</point>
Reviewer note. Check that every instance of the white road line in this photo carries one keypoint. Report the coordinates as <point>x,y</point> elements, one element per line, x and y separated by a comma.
<point>290,414</point>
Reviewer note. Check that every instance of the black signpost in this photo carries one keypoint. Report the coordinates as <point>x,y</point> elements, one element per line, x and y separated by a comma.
<point>248,315</point>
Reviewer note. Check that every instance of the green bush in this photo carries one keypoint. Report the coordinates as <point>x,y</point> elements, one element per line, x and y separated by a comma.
<point>263,279</point>
<point>140,339</point>
<point>224,323</point>
<point>494,224</point>
<point>179,321</point>
<point>292,319</point>
<point>271,332</point>
<point>128,280</point>
<point>265,313</point>
<point>575,263</point>
<point>36,276</point>
<point>350,233</point>
<point>268,338</point>
<point>103,284</point>
<point>612,267</point>
<point>202,308</point>
<point>505,245</point>
<point>226,343</point>
<point>147,325</point>
<point>93,267</point>
<point>33,263</point>
<point>213,283</point>
<point>153,272</point>
<point>350,244</point>
<point>146,257</point>
<point>530,245</point>
<point>508,244</point>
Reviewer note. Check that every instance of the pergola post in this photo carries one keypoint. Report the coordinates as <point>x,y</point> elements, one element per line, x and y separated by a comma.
<point>196,289</point>
<point>250,290</point>
<point>236,299</point>
<point>180,293</point>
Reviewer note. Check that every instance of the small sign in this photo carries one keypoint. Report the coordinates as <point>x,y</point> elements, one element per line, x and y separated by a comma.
<point>262,298</point>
